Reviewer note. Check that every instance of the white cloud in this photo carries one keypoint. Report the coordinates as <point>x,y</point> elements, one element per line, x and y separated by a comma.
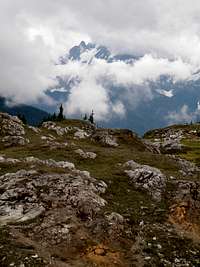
<point>61,90</point>
<point>97,80</point>
<point>119,109</point>
<point>184,115</point>
<point>166,93</point>
<point>88,96</point>
<point>33,34</point>
<point>30,41</point>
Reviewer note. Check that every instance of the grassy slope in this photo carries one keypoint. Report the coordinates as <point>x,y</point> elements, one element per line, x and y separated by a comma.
<point>121,195</point>
<point>123,198</point>
<point>191,141</point>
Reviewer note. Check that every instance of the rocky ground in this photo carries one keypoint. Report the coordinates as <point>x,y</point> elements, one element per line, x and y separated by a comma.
<point>72,195</point>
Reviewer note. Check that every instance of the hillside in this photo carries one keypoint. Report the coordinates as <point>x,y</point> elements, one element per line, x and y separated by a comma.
<point>72,195</point>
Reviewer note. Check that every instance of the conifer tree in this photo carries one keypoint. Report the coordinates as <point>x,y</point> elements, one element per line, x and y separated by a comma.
<point>60,114</point>
<point>91,118</point>
<point>85,117</point>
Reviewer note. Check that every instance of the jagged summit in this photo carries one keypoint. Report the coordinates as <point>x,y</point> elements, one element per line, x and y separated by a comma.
<point>97,51</point>
<point>74,195</point>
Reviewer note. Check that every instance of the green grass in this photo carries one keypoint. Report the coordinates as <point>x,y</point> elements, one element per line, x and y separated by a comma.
<point>156,133</point>
<point>191,141</point>
<point>192,150</point>
<point>122,197</point>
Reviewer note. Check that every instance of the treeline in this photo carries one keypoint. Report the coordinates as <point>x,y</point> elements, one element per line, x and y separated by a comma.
<point>90,118</point>
<point>22,118</point>
<point>55,117</point>
<point>58,117</point>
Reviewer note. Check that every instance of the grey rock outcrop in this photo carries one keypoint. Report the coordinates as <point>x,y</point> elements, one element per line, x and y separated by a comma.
<point>187,191</point>
<point>11,125</point>
<point>170,141</point>
<point>18,215</point>
<point>12,130</point>
<point>147,178</point>
<point>103,137</point>
<point>187,168</point>
<point>152,146</point>
<point>171,145</point>
<point>26,195</point>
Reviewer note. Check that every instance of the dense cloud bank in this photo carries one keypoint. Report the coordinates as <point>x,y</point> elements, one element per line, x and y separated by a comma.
<point>33,34</point>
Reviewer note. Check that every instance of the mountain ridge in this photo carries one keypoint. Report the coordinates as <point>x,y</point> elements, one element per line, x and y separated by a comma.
<point>33,115</point>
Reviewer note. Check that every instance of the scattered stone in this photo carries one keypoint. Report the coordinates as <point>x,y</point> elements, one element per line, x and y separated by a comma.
<point>48,138</point>
<point>63,213</point>
<point>34,256</point>
<point>81,134</point>
<point>115,218</point>
<point>50,163</point>
<point>55,145</point>
<point>187,168</point>
<point>52,143</point>
<point>9,160</point>
<point>141,224</point>
<point>33,160</point>
<point>86,155</point>
<point>34,129</point>
<point>159,246</point>
<point>131,164</point>
<point>50,125</point>
<point>15,141</point>
<point>169,141</point>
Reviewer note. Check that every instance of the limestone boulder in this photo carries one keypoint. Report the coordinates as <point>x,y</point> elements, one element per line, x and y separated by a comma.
<point>147,178</point>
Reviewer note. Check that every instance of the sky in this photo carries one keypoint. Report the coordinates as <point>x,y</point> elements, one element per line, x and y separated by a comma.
<point>34,34</point>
